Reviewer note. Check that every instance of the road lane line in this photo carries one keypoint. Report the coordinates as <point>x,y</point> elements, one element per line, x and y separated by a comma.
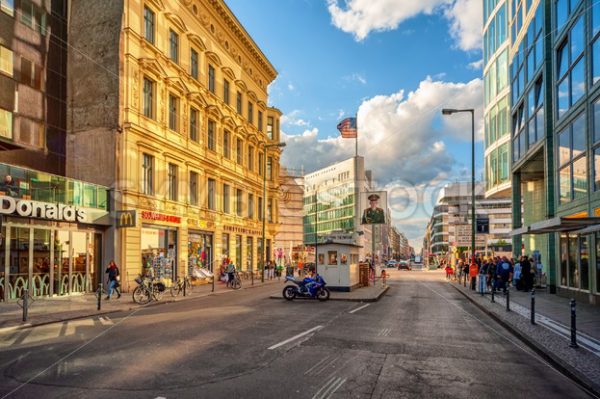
<point>295,337</point>
<point>335,388</point>
<point>357,309</point>
<point>329,382</point>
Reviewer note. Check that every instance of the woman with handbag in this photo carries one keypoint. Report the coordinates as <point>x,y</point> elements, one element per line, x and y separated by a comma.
<point>113,279</point>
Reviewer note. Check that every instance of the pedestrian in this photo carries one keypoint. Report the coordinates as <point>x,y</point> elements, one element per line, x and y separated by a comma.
<point>473,272</point>
<point>113,279</point>
<point>483,271</point>
<point>517,280</point>
<point>504,273</point>
<point>230,270</point>
<point>526,274</point>
<point>491,273</point>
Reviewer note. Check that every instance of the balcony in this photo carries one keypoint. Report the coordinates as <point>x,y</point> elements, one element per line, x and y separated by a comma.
<point>30,184</point>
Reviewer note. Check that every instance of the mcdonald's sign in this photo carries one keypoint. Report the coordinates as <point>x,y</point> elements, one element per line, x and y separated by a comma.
<point>126,218</point>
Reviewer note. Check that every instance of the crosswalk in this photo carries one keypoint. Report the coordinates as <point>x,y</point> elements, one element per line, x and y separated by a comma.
<point>53,331</point>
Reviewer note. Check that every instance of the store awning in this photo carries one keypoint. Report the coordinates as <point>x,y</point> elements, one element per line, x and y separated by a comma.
<point>562,225</point>
<point>588,230</point>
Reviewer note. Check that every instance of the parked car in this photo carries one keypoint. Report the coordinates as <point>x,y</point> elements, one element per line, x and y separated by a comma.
<point>403,265</point>
<point>392,263</point>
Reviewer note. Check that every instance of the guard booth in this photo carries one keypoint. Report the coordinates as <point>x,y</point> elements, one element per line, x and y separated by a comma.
<point>338,265</point>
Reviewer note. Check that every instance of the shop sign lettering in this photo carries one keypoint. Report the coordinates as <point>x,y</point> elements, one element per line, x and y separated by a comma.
<point>160,217</point>
<point>41,210</point>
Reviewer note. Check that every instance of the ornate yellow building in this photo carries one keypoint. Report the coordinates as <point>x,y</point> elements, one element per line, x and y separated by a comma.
<point>193,136</point>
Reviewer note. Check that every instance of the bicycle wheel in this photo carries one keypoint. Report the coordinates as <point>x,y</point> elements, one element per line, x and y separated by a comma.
<point>157,293</point>
<point>188,287</point>
<point>141,295</point>
<point>176,289</point>
<point>236,284</point>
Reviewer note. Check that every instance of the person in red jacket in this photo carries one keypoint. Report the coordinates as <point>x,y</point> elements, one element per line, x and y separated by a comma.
<point>473,272</point>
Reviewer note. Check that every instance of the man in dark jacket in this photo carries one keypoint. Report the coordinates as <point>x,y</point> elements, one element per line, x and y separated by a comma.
<point>526,274</point>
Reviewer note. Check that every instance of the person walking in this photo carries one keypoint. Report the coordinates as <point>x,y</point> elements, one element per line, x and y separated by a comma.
<point>483,271</point>
<point>473,272</point>
<point>526,274</point>
<point>504,273</point>
<point>113,279</point>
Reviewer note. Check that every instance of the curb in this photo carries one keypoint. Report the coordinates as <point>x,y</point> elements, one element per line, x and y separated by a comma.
<point>556,362</point>
<point>32,324</point>
<point>373,299</point>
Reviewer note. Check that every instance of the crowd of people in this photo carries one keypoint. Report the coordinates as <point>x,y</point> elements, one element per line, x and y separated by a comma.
<point>494,272</point>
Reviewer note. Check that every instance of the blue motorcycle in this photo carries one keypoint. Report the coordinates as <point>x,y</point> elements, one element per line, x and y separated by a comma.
<point>306,288</point>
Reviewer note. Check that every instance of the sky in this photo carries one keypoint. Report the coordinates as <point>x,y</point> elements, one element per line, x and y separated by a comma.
<point>394,64</point>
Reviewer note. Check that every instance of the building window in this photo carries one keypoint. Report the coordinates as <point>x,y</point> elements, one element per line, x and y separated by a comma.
<point>33,16</point>
<point>6,61</point>
<point>250,112</point>
<point>260,209</point>
<point>149,24</point>
<point>8,7</point>
<point>193,124</point>
<point>225,246</point>
<point>172,177</point>
<point>211,194</point>
<point>260,121</point>
<point>173,46</point>
<point>193,188</point>
<point>211,78</point>
<point>270,128</point>
<point>572,161</point>
<point>239,152</point>
<point>238,251</point>
<point>6,124</point>
<point>173,112</point>
<point>148,100</point>
<point>211,135</point>
<point>250,158</point>
<point>570,62</point>
<point>227,144</point>
<point>270,210</point>
<point>238,202</point>
<point>226,91</point>
<point>270,168</point>
<point>194,63</point>
<point>261,163</point>
<point>238,102</point>
<point>535,112</point>
<point>596,140</point>
<point>147,174</point>
<point>564,8</point>
<point>31,74</point>
<point>226,198</point>
<point>250,206</point>
<point>519,135</point>
<point>596,43</point>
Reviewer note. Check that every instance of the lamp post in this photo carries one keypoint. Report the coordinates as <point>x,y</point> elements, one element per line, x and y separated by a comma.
<point>264,204</point>
<point>450,111</point>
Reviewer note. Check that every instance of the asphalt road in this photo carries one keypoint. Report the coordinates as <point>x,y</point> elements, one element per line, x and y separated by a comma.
<point>421,340</point>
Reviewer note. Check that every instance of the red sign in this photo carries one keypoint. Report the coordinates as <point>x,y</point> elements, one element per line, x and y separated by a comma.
<point>161,217</point>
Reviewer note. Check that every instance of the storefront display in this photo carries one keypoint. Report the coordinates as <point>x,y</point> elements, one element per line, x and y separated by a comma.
<point>159,252</point>
<point>200,251</point>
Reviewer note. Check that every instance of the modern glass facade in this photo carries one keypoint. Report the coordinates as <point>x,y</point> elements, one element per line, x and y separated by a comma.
<point>496,98</point>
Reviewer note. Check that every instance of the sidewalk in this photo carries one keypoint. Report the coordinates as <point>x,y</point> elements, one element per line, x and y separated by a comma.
<point>58,309</point>
<point>550,336</point>
<point>363,294</point>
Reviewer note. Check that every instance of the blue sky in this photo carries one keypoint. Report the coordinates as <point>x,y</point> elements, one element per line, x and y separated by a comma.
<point>394,62</point>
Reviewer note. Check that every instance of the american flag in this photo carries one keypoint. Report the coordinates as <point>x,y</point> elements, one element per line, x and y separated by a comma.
<point>348,128</point>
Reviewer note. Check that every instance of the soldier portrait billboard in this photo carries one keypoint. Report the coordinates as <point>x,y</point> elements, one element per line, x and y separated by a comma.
<point>374,207</point>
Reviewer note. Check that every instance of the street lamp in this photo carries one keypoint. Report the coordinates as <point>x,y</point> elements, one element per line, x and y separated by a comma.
<point>450,111</point>
<point>264,204</point>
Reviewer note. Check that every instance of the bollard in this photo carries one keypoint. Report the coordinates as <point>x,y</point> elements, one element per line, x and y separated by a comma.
<point>533,306</point>
<point>184,285</point>
<point>508,299</point>
<point>573,326</point>
<point>99,296</point>
<point>493,291</point>
<point>25,303</point>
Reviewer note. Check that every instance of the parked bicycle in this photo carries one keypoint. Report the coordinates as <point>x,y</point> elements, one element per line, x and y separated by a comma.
<point>180,285</point>
<point>236,282</point>
<point>148,289</point>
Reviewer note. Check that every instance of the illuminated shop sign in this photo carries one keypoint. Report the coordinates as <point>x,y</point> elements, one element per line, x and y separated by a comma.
<point>160,217</point>
<point>41,210</point>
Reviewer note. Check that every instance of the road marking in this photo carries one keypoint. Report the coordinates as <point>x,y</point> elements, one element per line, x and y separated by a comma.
<point>324,367</point>
<point>332,385</point>
<point>316,365</point>
<point>385,332</point>
<point>295,337</point>
<point>359,308</point>
<point>106,321</point>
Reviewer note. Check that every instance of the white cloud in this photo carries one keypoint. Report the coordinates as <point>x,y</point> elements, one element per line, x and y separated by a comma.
<point>293,119</point>
<point>361,17</point>
<point>403,139</point>
<point>291,86</point>
<point>476,64</point>
<point>466,23</point>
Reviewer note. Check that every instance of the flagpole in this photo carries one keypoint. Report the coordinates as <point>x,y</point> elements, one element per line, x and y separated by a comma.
<point>356,137</point>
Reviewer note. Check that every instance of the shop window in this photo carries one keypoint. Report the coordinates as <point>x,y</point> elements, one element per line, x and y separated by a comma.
<point>225,246</point>
<point>62,249</point>
<point>238,251</point>
<point>78,278</point>
<point>159,252</point>
<point>194,63</point>
<point>173,46</point>
<point>584,265</point>
<point>249,253</point>
<point>8,7</point>
<point>149,24</point>
<point>193,124</point>
<point>200,250</point>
